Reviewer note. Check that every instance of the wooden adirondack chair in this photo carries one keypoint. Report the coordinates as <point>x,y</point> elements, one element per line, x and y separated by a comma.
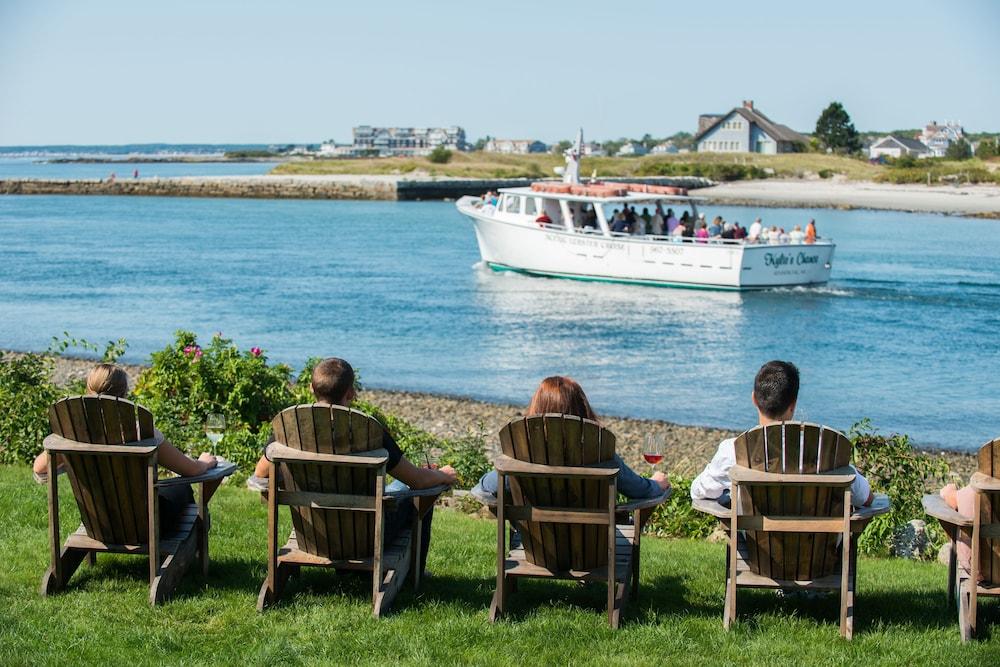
<point>328,466</point>
<point>563,493</point>
<point>983,532</point>
<point>791,524</point>
<point>109,447</point>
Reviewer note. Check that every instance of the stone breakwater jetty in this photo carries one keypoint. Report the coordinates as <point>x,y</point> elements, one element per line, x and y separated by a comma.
<point>392,188</point>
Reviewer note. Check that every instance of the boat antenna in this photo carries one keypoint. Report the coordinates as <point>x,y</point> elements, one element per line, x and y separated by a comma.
<point>572,172</point>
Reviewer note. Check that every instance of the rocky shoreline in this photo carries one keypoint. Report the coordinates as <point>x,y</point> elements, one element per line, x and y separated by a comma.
<point>688,448</point>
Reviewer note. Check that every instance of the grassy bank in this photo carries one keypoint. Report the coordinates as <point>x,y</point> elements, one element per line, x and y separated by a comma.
<point>492,165</point>
<point>902,617</point>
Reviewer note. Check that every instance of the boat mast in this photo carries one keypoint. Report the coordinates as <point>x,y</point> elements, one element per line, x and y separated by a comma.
<point>571,174</point>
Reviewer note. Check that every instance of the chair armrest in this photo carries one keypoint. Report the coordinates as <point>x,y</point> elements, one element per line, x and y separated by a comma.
<point>936,507</point>
<point>510,466</point>
<point>983,482</point>
<point>712,507</point>
<point>417,493</point>
<point>223,468</point>
<point>837,477</point>
<point>279,452</point>
<point>57,443</point>
<point>645,503</point>
<point>880,505</point>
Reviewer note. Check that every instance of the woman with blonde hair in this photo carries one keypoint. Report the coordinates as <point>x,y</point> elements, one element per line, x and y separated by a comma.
<point>110,380</point>
<point>562,395</point>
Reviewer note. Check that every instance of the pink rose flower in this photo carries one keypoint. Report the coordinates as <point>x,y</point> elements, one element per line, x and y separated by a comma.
<point>255,351</point>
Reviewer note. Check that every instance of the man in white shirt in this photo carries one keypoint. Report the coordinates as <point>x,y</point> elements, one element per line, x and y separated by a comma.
<point>753,234</point>
<point>775,392</point>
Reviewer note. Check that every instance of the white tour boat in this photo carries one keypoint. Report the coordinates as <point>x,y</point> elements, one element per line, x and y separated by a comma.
<point>578,244</point>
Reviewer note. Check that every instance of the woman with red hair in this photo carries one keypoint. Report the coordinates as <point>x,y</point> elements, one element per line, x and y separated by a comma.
<point>562,395</point>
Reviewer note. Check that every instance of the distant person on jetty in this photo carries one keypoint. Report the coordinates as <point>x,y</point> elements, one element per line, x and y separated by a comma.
<point>135,173</point>
<point>333,384</point>
<point>754,232</point>
<point>811,231</point>
<point>775,393</point>
<point>111,380</point>
<point>562,395</point>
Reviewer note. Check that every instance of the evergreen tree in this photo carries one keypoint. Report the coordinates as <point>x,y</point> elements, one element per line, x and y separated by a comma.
<point>988,147</point>
<point>835,129</point>
<point>958,150</point>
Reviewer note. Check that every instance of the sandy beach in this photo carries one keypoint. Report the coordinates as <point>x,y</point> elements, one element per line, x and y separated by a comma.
<point>969,200</point>
<point>688,448</point>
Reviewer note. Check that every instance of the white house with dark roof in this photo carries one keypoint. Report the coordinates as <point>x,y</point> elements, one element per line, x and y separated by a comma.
<point>746,130</point>
<point>895,146</point>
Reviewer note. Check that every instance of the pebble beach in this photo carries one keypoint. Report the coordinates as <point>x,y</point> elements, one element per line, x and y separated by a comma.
<point>687,448</point>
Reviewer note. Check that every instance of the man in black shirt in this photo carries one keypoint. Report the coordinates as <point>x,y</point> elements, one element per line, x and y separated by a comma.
<point>333,384</point>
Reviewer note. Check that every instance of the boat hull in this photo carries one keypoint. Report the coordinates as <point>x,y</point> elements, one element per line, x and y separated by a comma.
<point>512,246</point>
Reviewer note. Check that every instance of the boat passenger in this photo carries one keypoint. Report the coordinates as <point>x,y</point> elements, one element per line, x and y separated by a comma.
<point>773,235</point>
<point>562,395</point>
<point>692,224</point>
<point>620,224</point>
<point>646,216</point>
<point>715,229</point>
<point>543,219</point>
<point>679,232</point>
<point>727,231</point>
<point>656,222</point>
<point>672,220</point>
<point>702,233</point>
<point>775,393</point>
<point>797,235</point>
<point>739,233</point>
<point>783,236</point>
<point>755,231</point>
<point>811,231</point>
<point>590,218</point>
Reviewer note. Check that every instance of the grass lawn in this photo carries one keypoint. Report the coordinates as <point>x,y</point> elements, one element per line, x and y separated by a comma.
<point>104,617</point>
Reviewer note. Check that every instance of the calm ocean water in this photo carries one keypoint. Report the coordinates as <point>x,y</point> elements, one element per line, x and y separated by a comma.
<point>905,334</point>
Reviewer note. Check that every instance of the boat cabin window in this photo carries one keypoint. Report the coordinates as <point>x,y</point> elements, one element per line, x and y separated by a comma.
<point>512,204</point>
<point>529,206</point>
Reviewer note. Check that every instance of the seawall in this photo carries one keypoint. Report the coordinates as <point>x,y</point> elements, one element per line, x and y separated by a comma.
<point>290,187</point>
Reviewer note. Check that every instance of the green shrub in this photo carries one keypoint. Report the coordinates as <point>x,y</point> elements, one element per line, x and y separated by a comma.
<point>677,517</point>
<point>186,382</point>
<point>440,155</point>
<point>825,173</point>
<point>893,467</point>
<point>26,392</point>
<point>467,455</point>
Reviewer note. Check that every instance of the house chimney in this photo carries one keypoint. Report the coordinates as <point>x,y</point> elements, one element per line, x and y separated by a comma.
<point>748,104</point>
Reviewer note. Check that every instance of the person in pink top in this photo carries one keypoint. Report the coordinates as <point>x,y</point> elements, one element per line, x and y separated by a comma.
<point>702,233</point>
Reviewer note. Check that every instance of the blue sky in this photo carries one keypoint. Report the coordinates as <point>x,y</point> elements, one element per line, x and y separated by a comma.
<point>248,71</point>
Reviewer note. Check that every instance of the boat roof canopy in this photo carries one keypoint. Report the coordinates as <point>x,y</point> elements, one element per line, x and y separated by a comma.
<point>631,197</point>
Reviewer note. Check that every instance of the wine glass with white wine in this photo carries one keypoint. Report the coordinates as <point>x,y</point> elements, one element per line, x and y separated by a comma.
<point>215,428</point>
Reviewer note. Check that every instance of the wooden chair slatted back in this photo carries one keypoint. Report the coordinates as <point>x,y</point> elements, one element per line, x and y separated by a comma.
<point>989,548</point>
<point>792,448</point>
<point>559,440</point>
<point>110,489</point>
<point>329,429</point>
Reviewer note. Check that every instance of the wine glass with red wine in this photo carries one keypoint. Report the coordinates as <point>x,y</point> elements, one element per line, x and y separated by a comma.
<point>653,449</point>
